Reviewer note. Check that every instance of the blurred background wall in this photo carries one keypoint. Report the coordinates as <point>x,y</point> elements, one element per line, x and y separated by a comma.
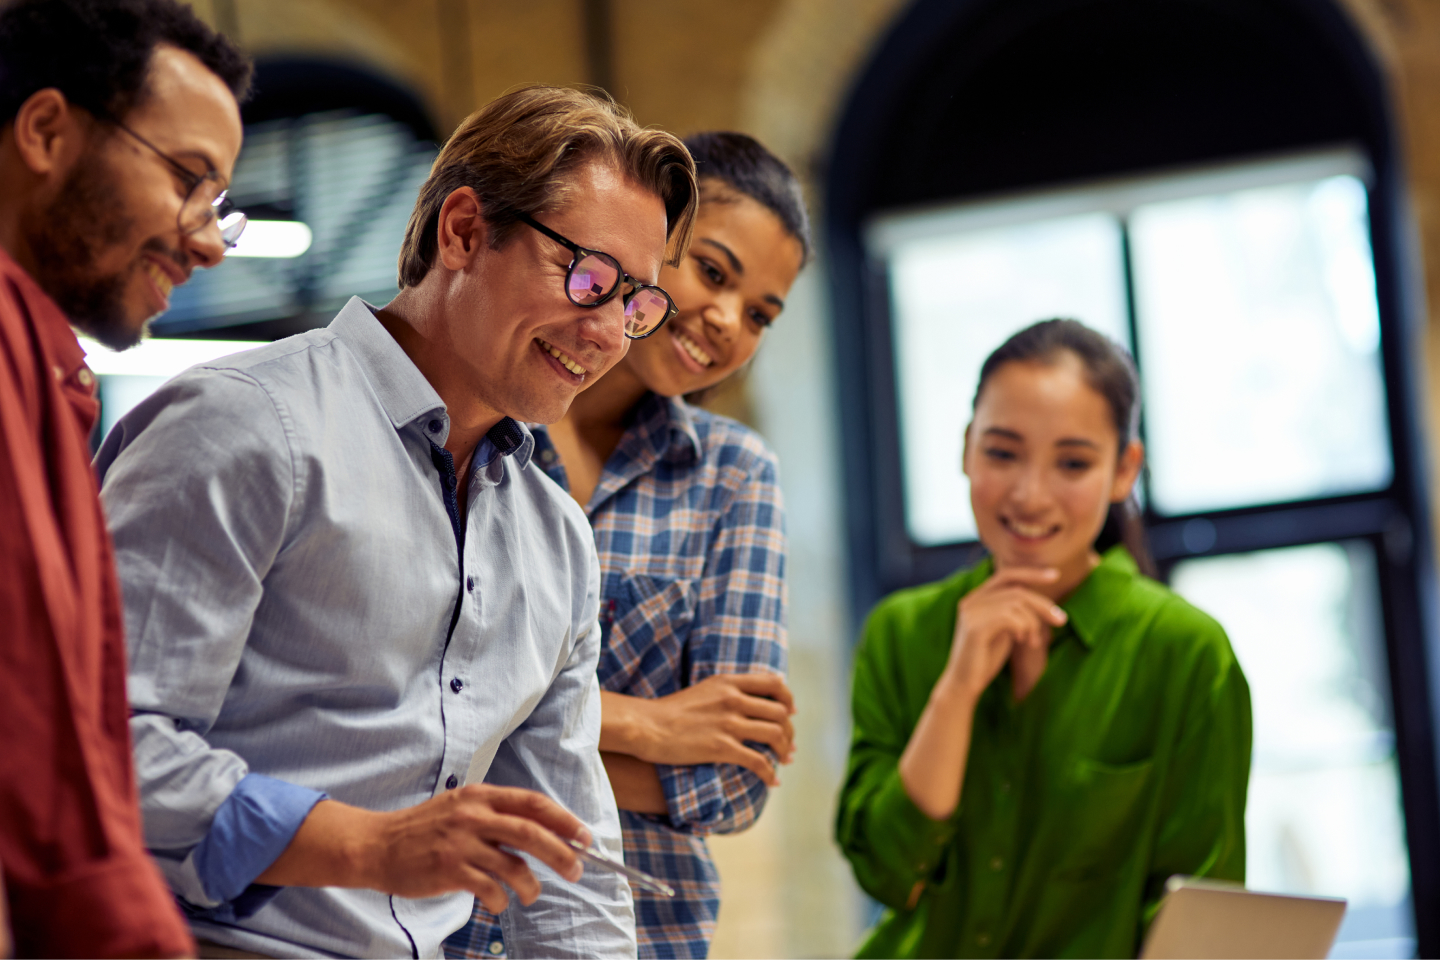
<point>352,95</point>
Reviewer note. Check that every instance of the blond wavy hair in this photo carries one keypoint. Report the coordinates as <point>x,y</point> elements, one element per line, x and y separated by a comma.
<point>519,153</point>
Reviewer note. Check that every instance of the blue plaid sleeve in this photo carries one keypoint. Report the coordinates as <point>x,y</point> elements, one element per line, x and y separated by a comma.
<point>739,627</point>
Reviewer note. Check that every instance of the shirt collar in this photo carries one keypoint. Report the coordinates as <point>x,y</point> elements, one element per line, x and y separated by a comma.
<point>1094,605</point>
<point>402,389</point>
<point>667,426</point>
<point>63,350</point>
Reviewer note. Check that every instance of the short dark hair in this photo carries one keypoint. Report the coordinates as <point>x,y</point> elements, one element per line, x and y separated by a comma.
<point>97,52</point>
<point>742,164</point>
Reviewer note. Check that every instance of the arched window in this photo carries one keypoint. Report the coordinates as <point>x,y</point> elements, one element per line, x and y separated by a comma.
<point>1214,183</point>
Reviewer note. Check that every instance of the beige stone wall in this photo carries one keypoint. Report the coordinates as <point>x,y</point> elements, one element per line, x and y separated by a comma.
<point>779,69</point>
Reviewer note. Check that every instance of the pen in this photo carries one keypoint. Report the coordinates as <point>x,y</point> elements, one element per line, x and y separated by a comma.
<point>637,877</point>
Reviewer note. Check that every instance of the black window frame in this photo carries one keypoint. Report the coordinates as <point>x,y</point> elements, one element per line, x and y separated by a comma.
<point>1397,522</point>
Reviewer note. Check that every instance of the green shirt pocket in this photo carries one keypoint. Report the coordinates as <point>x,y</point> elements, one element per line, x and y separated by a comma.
<point>1102,813</point>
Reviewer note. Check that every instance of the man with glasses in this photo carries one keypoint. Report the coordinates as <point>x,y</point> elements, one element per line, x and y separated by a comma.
<point>364,628</point>
<point>120,131</point>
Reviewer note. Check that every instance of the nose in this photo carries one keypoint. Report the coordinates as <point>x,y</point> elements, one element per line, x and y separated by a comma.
<point>204,246</point>
<point>604,326</point>
<point>1030,492</point>
<point>722,315</point>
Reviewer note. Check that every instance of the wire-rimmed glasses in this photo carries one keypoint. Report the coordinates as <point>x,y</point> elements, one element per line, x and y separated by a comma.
<point>205,201</point>
<point>593,278</point>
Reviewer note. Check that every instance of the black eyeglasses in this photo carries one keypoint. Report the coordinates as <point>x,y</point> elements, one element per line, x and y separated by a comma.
<point>205,199</point>
<point>594,277</point>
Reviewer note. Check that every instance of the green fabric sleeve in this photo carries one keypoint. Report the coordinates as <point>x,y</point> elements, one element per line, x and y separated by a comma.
<point>889,842</point>
<point>1201,827</point>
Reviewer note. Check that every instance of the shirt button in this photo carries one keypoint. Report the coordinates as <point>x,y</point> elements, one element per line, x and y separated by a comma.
<point>983,939</point>
<point>85,377</point>
<point>470,584</point>
<point>451,783</point>
<point>496,948</point>
<point>997,864</point>
<point>434,426</point>
<point>1004,786</point>
<point>457,684</point>
<point>59,374</point>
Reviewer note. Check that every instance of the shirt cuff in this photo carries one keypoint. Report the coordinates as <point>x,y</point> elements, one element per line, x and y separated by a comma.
<point>908,833</point>
<point>250,830</point>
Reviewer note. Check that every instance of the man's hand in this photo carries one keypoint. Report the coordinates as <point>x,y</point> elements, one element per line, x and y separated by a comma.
<point>449,843</point>
<point>705,723</point>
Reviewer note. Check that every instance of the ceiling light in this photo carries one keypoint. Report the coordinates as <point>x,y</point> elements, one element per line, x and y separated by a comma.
<point>272,238</point>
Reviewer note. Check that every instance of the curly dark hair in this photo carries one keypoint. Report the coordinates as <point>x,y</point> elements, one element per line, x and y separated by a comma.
<point>97,52</point>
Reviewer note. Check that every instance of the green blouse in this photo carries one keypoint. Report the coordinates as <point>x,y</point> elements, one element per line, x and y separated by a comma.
<point>1126,764</point>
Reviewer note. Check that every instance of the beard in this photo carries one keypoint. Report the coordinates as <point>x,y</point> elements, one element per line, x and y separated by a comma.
<point>69,237</point>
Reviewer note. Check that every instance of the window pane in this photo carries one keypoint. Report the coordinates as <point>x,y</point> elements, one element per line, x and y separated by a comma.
<point>1259,346</point>
<point>1324,813</point>
<point>955,299</point>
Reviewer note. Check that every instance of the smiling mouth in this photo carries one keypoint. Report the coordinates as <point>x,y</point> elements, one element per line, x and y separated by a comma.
<point>563,358</point>
<point>1029,531</point>
<point>161,279</point>
<point>691,347</point>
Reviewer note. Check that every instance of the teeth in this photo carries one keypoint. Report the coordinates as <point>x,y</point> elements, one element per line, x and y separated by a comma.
<point>1029,530</point>
<point>565,361</point>
<point>162,280</point>
<point>692,348</point>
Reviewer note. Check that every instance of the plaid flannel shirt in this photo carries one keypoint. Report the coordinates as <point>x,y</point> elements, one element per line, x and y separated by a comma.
<point>690,530</point>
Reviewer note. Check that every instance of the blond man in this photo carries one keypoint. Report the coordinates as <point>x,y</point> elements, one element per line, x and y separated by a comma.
<point>363,627</point>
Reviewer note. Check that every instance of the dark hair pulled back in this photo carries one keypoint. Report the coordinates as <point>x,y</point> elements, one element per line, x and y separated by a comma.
<point>743,164</point>
<point>1111,373</point>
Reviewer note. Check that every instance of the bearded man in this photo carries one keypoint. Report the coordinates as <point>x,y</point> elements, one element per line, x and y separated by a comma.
<point>120,131</point>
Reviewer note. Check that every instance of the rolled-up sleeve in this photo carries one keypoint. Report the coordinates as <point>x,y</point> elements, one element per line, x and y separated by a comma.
<point>739,628</point>
<point>557,752</point>
<point>198,481</point>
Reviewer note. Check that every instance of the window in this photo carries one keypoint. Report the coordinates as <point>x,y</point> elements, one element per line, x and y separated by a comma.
<point>1247,294</point>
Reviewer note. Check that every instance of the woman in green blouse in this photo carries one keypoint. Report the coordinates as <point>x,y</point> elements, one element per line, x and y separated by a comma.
<point>1041,740</point>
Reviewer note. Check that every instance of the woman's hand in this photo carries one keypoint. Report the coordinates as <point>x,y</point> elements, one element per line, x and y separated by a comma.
<point>1003,617</point>
<point>705,723</point>
<point>999,619</point>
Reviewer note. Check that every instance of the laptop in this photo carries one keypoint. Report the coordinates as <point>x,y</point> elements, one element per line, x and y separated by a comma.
<point>1211,919</point>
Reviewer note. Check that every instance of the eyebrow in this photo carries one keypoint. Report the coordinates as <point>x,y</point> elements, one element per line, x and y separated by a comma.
<point>740,268</point>
<point>1064,442</point>
<point>734,260</point>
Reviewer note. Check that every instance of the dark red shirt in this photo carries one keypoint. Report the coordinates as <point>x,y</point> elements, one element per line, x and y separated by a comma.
<point>79,881</point>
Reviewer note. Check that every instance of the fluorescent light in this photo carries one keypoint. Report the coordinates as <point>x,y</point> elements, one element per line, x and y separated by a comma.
<point>159,358</point>
<point>272,238</point>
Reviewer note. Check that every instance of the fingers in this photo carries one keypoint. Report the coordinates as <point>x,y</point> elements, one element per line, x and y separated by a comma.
<point>537,807</point>
<point>505,867</point>
<point>487,891</point>
<point>534,823</point>
<point>773,735</point>
<point>1023,576</point>
<point>754,761</point>
<point>770,685</point>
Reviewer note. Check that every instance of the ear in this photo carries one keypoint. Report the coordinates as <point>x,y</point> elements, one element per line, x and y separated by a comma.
<point>1128,471</point>
<point>965,450</point>
<point>463,232</point>
<point>48,133</point>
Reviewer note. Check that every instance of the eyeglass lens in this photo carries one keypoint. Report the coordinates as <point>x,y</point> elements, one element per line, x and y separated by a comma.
<point>645,311</point>
<point>592,279</point>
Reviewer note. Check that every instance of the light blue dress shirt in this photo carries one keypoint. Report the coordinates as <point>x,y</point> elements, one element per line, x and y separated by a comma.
<point>306,617</point>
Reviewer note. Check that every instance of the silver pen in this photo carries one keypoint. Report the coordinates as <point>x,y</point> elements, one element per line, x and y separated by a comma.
<point>637,877</point>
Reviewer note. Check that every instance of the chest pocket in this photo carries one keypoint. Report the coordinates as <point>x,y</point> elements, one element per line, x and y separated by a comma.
<point>1103,814</point>
<point>645,625</point>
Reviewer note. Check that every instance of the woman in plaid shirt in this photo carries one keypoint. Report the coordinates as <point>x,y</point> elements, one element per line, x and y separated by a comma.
<point>690,531</point>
